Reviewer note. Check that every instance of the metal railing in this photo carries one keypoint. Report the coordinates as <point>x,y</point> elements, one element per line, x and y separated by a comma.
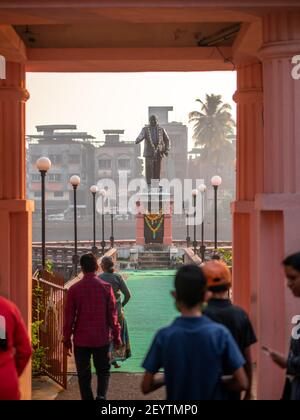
<point>49,297</point>
<point>61,256</point>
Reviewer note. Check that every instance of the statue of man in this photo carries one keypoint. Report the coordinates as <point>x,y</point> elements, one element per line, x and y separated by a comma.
<point>157,145</point>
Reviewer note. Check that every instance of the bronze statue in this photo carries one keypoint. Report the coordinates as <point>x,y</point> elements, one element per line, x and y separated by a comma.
<point>157,145</point>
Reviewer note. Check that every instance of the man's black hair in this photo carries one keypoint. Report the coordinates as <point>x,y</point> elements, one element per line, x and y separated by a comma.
<point>293,261</point>
<point>88,263</point>
<point>190,285</point>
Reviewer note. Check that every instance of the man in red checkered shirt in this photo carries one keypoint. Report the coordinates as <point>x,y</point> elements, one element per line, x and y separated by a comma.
<point>91,317</point>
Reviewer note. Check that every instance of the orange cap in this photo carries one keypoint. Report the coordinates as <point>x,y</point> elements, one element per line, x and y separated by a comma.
<point>217,273</point>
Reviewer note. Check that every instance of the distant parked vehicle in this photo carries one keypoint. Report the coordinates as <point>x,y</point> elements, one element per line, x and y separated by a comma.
<point>121,217</point>
<point>56,217</point>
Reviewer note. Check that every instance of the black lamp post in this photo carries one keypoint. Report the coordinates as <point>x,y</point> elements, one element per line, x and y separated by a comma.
<point>75,182</point>
<point>94,190</point>
<point>112,238</point>
<point>186,213</point>
<point>195,243</point>
<point>188,238</point>
<point>202,189</point>
<point>103,243</point>
<point>216,181</point>
<point>43,164</point>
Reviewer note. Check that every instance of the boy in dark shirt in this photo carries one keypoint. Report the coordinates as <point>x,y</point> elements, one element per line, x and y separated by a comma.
<point>193,350</point>
<point>221,310</point>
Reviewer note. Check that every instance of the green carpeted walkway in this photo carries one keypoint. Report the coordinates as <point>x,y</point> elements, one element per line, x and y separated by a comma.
<point>151,307</point>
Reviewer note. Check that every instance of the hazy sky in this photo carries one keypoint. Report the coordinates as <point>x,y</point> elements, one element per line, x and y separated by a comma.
<point>98,101</point>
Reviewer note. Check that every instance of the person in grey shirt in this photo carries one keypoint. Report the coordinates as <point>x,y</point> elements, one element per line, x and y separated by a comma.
<point>119,288</point>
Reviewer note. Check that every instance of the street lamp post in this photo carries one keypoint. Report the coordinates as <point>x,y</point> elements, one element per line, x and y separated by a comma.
<point>186,213</point>
<point>188,238</point>
<point>103,243</point>
<point>216,181</point>
<point>112,238</point>
<point>202,189</point>
<point>195,243</point>
<point>75,182</point>
<point>43,164</point>
<point>94,190</point>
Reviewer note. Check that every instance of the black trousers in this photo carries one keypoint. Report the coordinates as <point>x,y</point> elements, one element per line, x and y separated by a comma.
<point>83,365</point>
<point>153,168</point>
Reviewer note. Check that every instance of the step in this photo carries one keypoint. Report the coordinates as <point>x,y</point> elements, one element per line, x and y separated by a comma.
<point>155,252</point>
<point>153,257</point>
<point>153,263</point>
<point>153,267</point>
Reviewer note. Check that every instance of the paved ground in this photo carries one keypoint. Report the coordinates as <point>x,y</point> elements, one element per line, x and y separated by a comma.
<point>43,388</point>
<point>123,386</point>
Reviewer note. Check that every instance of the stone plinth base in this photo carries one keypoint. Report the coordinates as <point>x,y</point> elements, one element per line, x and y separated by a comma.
<point>155,202</point>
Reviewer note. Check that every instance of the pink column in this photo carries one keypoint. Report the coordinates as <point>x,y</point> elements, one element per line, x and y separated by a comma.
<point>139,220</point>
<point>249,98</point>
<point>278,205</point>
<point>15,210</point>
<point>168,229</point>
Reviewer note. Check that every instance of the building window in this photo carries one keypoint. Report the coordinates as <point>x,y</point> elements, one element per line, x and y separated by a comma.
<point>55,159</point>
<point>38,194</point>
<point>35,178</point>
<point>55,177</point>
<point>124,164</point>
<point>104,164</point>
<point>74,159</point>
<point>58,193</point>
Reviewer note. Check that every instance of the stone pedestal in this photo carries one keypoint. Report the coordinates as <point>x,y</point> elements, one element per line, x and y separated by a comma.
<point>140,237</point>
<point>155,203</point>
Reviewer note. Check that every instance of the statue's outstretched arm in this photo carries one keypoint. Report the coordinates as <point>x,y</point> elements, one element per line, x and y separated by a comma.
<point>141,137</point>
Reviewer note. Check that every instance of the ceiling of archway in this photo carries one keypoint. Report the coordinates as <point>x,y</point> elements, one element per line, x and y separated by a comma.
<point>125,34</point>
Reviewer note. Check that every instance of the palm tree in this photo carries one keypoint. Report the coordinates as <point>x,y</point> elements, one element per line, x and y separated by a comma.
<point>213,126</point>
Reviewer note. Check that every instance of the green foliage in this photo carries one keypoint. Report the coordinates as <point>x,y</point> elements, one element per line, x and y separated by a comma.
<point>213,128</point>
<point>37,295</point>
<point>226,255</point>
<point>39,352</point>
<point>49,266</point>
<point>35,327</point>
